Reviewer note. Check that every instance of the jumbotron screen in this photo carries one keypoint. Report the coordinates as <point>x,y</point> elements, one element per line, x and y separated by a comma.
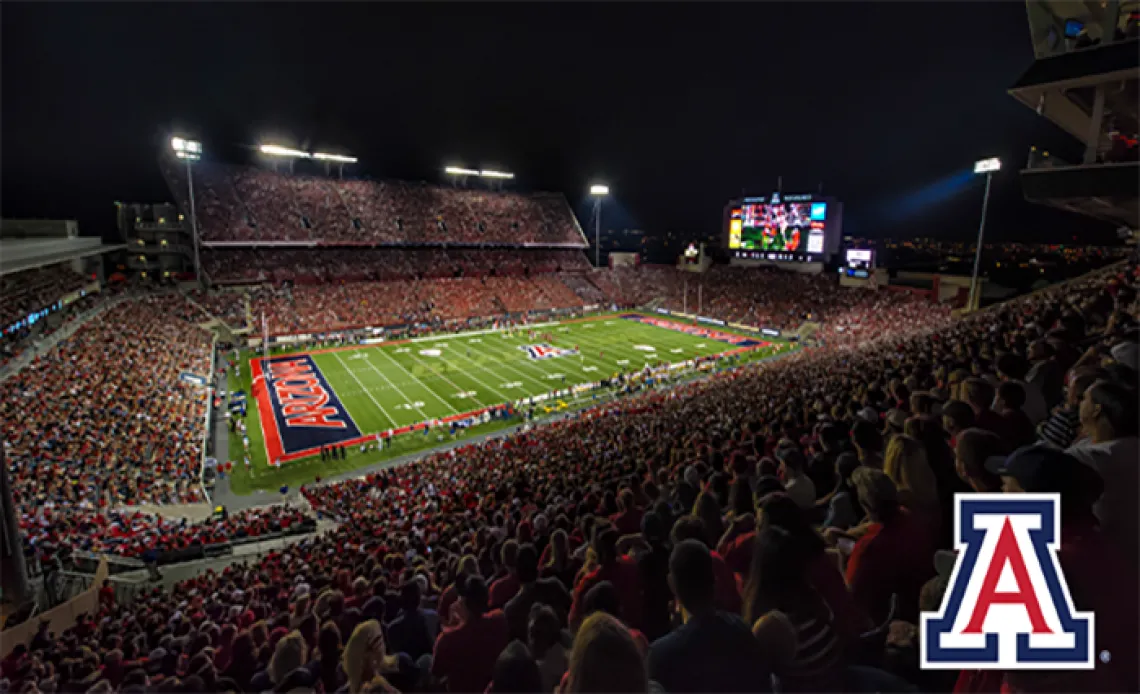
<point>783,228</point>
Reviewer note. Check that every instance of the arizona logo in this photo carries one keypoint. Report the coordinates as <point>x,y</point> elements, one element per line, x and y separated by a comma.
<point>1007,605</point>
<point>544,351</point>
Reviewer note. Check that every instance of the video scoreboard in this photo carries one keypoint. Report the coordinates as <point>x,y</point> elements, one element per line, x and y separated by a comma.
<point>784,227</point>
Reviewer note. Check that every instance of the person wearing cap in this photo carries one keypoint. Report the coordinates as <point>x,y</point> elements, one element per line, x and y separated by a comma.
<point>465,655</point>
<point>1099,577</point>
<point>893,554</point>
<point>1108,415</point>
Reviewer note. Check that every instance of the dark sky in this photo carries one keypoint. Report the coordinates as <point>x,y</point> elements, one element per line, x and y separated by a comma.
<point>677,107</point>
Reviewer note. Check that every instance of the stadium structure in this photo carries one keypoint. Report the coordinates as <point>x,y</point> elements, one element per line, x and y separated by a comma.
<point>304,408</point>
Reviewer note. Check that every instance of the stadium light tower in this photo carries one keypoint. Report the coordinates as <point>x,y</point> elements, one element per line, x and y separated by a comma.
<point>190,151</point>
<point>987,167</point>
<point>599,191</point>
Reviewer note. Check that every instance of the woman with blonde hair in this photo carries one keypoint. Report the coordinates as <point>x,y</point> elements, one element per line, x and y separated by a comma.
<point>365,658</point>
<point>291,653</point>
<point>605,658</point>
<point>906,464</point>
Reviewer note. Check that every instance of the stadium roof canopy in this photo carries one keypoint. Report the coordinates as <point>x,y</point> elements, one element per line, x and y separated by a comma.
<point>18,254</point>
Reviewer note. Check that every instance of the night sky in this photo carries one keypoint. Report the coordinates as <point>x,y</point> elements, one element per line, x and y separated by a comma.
<point>677,107</point>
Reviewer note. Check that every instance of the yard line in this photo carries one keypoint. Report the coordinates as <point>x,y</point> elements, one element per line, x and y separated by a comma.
<point>532,379</point>
<point>407,400</point>
<point>451,383</point>
<point>506,398</point>
<point>582,355</point>
<point>366,391</point>
<point>413,377</point>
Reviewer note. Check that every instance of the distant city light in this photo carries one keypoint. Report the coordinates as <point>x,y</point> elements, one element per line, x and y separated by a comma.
<point>598,189</point>
<point>987,165</point>
<point>278,151</point>
<point>460,171</point>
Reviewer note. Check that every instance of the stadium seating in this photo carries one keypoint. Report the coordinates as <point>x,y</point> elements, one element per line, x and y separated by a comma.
<point>603,505</point>
<point>246,204</point>
<point>34,290</point>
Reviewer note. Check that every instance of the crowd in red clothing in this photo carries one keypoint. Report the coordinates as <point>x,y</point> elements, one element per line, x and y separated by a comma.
<point>736,533</point>
<point>311,266</point>
<point>251,204</point>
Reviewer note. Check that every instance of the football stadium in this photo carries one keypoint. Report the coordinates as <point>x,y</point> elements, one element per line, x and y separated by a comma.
<point>444,355</point>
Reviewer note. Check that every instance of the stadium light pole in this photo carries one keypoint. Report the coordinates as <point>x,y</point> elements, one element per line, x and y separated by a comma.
<point>988,167</point>
<point>599,191</point>
<point>190,151</point>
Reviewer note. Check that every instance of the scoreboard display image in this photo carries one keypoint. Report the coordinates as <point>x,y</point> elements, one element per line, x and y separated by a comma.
<point>788,228</point>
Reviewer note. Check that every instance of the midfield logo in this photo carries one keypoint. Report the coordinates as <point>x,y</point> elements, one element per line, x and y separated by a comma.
<point>1007,606</point>
<point>544,351</point>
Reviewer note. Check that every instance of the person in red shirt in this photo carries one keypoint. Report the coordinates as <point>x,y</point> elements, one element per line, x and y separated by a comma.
<point>465,655</point>
<point>895,554</point>
<point>504,589</point>
<point>726,589</point>
<point>621,571</point>
<point>628,520</point>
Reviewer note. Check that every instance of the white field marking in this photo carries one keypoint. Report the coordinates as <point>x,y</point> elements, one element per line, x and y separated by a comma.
<point>564,330</point>
<point>466,394</point>
<point>426,386</point>
<point>701,345</point>
<point>478,380</point>
<point>403,350</point>
<point>512,384</point>
<point>622,362</point>
<point>410,406</point>
<point>394,386</point>
<point>555,377</point>
<point>645,348</point>
<point>457,387</point>
<point>677,351</point>
<point>475,340</point>
<point>366,391</point>
<point>589,368</point>
<point>528,362</point>
<point>470,333</point>
<point>587,326</point>
<point>358,355</point>
<point>430,352</point>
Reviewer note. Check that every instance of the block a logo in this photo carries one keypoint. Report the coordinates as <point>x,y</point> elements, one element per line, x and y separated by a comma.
<point>1007,605</point>
<point>544,351</point>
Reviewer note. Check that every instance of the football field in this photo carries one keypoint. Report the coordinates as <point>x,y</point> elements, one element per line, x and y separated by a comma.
<point>458,384</point>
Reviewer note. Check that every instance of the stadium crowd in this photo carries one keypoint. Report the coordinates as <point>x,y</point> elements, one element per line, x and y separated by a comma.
<point>311,266</point>
<point>778,525</point>
<point>252,204</point>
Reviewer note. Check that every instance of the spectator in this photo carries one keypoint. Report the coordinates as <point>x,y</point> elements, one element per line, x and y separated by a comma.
<point>366,661</point>
<point>621,571</point>
<point>516,671</point>
<point>504,588</point>
<point>1008,404</point>
<point>414,631</point>
<point>1108,416</point>
<point>798,486</point>
<point>465,655</point>
<point>975,448</point>
<point>605,658</point>
<point>713,651</point>
<point>533,591</point>
<point>893,556</point>
<point>545,639</point>
<point>1063,425</point>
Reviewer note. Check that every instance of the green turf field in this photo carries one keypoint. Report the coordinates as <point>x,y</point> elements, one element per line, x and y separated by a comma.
<point>400,384</point>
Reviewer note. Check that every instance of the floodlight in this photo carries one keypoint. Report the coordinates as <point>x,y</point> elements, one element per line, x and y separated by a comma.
<point>278,151</point>
<point>340,158</point>
<point>598,189</point>
<point>460,171</point>
<point>987,165</point>
<point>489,173</point>
<point>190,150</point>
